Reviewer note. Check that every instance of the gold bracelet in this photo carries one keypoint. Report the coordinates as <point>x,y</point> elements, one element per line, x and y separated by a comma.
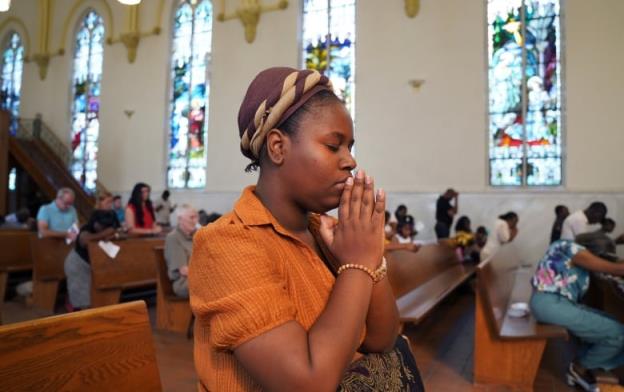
<point>359,267</point>
<point>382,271</point>
<point>376,275</point>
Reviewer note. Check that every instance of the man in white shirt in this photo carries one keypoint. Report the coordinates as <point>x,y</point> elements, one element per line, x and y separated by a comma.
<point>163,209</point>
<point>579,222</point>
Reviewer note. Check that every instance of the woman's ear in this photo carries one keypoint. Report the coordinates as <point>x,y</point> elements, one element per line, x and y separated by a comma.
<point>276,146</point>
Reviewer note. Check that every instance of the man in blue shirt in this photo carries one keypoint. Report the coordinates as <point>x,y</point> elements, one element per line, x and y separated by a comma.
<point>55,219</point>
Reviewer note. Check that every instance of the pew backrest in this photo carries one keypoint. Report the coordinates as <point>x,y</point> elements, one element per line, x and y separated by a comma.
<point>408,270</point>
<point>496,278</point>
<point>15,253</point>
<point>164,282</point>
<point>49,258</point>
<point>501,281</point>
<point>134,264</point>
<point>103,349</point>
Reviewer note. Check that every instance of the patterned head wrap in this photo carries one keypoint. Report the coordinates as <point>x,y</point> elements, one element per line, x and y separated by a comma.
<point>272,97</point>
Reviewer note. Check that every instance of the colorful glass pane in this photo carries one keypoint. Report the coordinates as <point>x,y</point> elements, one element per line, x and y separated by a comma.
<point>11,74</point>
<point>188,122</point>
<point>86,84</point>
<point>524,92</point>
<point>12,179</point>
<point>329,44</point>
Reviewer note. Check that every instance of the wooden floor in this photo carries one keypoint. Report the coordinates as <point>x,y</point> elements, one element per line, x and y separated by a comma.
<point>443,346</point>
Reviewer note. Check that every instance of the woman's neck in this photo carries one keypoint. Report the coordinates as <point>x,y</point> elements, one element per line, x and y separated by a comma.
<point>292,217</point>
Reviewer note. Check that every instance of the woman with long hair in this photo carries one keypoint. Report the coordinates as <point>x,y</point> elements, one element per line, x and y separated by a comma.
<point>139,216</point>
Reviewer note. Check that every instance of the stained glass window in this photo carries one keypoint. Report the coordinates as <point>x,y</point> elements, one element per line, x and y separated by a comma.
<point>524,52</point>
<point>328,40</point>
<point>190,89</point>
<point>86,85</point>
<point>11,74</point>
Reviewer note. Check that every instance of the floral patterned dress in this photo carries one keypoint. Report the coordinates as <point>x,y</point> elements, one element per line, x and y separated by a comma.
<point>556,274</point>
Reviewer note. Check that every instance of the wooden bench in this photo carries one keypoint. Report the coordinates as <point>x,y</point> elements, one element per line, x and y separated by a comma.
<point>421,280</point>
<point>48,269</point>
<point>173,313</point>
<point>508,350</point>
<point>14,256</point>
<point>105,349</point>
<point>134,266</point>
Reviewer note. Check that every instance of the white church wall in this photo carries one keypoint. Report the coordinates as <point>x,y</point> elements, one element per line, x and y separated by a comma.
<point>415,142</point>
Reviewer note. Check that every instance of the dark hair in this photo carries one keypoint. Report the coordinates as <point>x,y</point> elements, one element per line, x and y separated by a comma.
<point>597,244</point>
<point>22,215</point>
<point>401,207</point>
<point>2,220</point>
<point>291,125</point>
<point>136,201</point>
<point>386,216</point>
<point>165,195</point>
<point>482,230</point>
<point>559,209</point>
<point>508,216</point>
<point>105,218</point>
<point>116,197</point>
<point>598,207</point>
<point>403,224</point>
<point>205,218</point>
<point>463,224</point>
<point>608,221</point>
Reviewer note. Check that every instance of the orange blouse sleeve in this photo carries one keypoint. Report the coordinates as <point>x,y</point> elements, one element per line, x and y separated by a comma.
<point>236,286</point>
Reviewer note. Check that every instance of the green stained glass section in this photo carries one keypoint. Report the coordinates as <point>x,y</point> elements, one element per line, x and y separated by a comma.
<point>190,89</point>
<point>86,86</point>
<point>11,74</point>
<point>524,90</point>
<point>329,44</point>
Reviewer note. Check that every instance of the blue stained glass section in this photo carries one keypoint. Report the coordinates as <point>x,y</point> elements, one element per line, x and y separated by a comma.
<point>190,89</point>
<point>524,92</point>
<point>86,86</point>
<point>328,42</point>
<point>11,74</point>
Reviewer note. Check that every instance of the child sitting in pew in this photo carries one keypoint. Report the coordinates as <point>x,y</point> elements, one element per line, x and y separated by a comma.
<point>467,247</point>
<point>403,239</point>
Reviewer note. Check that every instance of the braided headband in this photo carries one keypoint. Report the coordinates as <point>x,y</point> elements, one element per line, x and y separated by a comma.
<point>284,95</point>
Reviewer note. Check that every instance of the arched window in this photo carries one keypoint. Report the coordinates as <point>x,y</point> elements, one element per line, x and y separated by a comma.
<point>525,129</point>
<point>190,89</point>
<point>328,43</point>
<point>86,85</point>
<point>11,74</point>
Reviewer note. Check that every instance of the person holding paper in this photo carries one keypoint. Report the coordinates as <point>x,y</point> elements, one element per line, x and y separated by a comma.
<point>102,226</point>
<point>59,219</point>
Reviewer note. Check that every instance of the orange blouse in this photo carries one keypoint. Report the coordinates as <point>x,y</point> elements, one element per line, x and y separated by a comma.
<point>248,275</point>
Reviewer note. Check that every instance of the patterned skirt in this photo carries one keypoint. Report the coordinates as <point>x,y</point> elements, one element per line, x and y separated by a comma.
<point>392,371</point>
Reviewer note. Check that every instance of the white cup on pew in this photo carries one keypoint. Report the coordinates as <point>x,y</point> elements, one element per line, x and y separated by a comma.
<point>518,309</point>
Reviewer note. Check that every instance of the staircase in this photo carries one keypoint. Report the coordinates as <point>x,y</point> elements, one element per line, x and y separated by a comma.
<point>46,159</point>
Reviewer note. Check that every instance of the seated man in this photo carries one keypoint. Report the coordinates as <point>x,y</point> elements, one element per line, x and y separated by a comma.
<point>579,222</point>
<point>599,242</point>
<point>178,248</point>
<point>57,218</point>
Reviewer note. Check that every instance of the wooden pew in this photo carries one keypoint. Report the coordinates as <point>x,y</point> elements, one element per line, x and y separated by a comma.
<point>508,350</point>
<point>14,256</point>
<point>173,313</point>
<point>105,349</point>
<point>607,294</point>
<point>423,279</point>
<point>48,269</point>
<point>134,266</point>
